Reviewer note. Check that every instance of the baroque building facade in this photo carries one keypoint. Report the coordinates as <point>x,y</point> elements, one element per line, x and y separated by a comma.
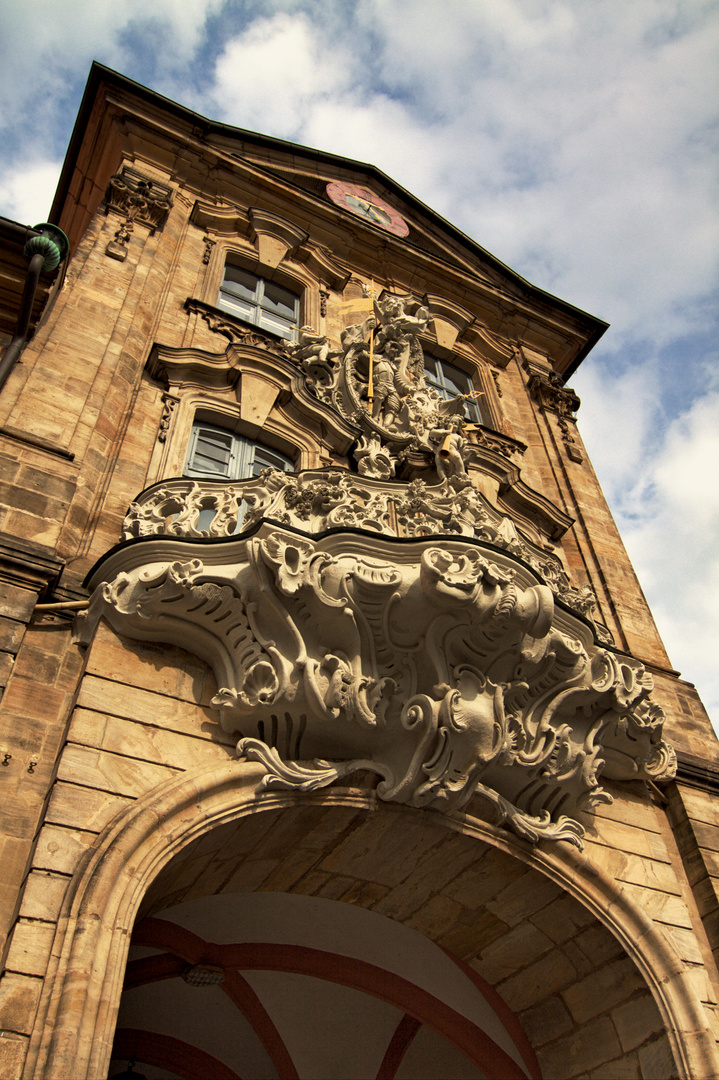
<point>337,737</point>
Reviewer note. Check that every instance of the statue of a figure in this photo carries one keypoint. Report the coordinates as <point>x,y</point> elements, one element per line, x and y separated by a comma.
<point>397,338</point>
<point>449,446</point>
<point>386,400</point>
<point>311,349</point>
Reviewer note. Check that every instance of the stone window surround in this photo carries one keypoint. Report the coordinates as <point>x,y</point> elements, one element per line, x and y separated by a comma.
<point>221,409</point>
<point>289,274</point>
<point>262,312</point>
<point>475,367</point>
<point>243,451</point>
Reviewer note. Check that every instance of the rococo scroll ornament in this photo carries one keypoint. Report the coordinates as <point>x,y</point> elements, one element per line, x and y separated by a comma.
<point>443,666</point>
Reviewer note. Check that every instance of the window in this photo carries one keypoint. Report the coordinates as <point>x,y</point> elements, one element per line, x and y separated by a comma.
<point>219,455</point>
<point>260,302</point>
<point>449,381</point>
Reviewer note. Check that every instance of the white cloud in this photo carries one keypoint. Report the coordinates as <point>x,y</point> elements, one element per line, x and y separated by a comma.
<point>27,190</point>
<point>672,536</point>
<point>271,77</point>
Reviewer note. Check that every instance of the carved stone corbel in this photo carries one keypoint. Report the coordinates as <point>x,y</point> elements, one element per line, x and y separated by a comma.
<point>549,392</point>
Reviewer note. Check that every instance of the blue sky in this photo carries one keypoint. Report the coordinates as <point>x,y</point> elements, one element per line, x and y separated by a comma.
<point>575,139</point>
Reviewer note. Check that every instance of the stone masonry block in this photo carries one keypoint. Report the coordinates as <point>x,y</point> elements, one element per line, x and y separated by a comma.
<point>657,1061</point>
<point>13,1049</point>
<point>19,995</point>
<point>500,959</point>
<point>604,988</point>
<point>43,895</point>
<point>537,981</point>
<point>61,849</point>
<point>386,849</point>
<point>30,947</point>
<point>636,1021</point>
<point>547,1021</point>
<point>593,1045</point>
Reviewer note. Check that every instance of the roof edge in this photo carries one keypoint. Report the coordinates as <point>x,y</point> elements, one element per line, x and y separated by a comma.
<point>99,73</point>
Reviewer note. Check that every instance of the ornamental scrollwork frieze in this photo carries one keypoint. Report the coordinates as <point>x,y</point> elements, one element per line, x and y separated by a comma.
<point>444,667</point>
<point>315,501</point>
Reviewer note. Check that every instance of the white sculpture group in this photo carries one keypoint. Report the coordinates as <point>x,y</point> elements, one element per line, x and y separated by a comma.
<point>354,622</point>
<point>377,380</point>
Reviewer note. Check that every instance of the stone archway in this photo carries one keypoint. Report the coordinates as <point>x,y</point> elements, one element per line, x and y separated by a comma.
<point>193,818</point>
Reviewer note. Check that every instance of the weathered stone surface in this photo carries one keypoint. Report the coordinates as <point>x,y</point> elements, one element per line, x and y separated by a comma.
<point>545,1022</point>
<point>656,1060</point>
<point>12,1054</point>
<point>19,996</point>
<point>537,981</point>
<point>636,1021</point>
<point>43,896</point>
<point>601,990</point>
<point>30,947</point>
<point>79,807</point>
<point>593,1045</point>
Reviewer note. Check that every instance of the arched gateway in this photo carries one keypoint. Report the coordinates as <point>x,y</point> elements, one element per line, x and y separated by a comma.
<point>203,835</point>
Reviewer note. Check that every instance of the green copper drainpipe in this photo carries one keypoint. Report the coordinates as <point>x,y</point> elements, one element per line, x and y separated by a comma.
<point>44,252</point>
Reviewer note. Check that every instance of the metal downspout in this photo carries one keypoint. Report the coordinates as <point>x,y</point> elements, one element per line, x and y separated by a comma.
<point>45,252</point>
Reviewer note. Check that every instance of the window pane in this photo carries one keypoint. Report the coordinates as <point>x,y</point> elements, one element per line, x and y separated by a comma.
<point>240,283</point>
<point>430,368</point>
<point>455,381</point>
<point>272,459</point>
<point>276,325</point>
<point>242,309</point>
<point>449,381</point>
<point>212,452</point>
<point>280,301</point>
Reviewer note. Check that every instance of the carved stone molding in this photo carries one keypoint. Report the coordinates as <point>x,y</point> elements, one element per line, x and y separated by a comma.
<point>449,319</point>
<point>169,401</point>
<point>494,348</point>
<point>549,392</point>
<point>253,355</point>
<point>445,668</point>
<point>227,220</point>
<point>324,266</point>
<point>234,329</point>
<point>208,243</point>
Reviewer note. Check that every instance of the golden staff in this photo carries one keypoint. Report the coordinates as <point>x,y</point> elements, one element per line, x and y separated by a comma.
<point>370,389</point>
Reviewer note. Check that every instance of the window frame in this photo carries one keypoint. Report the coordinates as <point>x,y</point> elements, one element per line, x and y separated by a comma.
<point>257,310</point>
<point>477,410</point>
<point>247,457</point>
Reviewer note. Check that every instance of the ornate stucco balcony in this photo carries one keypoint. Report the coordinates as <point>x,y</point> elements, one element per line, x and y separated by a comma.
<point>410,630</point>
